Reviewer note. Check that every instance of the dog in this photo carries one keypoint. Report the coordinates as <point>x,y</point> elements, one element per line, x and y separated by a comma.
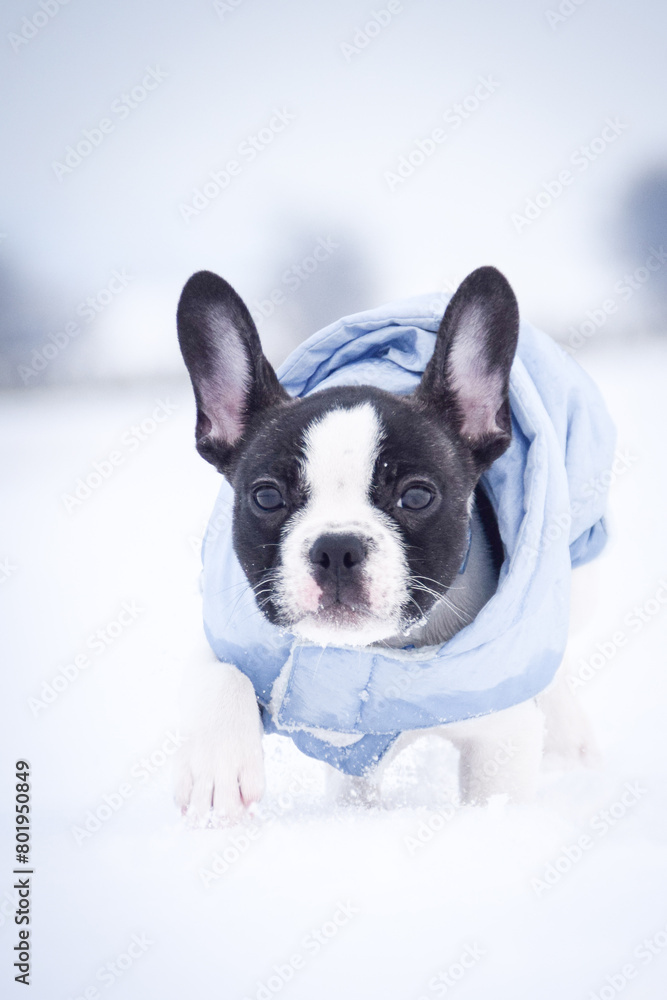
<point>360,521</point>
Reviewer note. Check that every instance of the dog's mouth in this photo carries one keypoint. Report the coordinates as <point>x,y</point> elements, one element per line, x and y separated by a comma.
<point>352,606</point>
<point>341,616</point>
<point>340,623</point>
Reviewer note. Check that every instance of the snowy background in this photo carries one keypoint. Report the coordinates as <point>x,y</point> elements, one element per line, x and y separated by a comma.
<point>99,598</point>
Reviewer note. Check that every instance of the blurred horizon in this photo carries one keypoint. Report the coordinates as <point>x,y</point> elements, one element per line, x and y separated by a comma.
<point>407,142</point>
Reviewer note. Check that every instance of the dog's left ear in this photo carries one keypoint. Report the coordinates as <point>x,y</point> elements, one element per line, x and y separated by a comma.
<point>467,378</point>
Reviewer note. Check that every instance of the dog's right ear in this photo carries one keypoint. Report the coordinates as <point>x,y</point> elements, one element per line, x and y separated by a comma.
<point>231,378</point>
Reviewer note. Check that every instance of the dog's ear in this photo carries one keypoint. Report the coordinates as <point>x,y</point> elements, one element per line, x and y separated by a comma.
<point>467,378</point>
<point>231,378</point>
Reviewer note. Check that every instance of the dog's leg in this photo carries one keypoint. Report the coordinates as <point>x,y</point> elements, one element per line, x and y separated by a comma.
<point>221,766</point>
<point>568,732</point>
<point>499,753</point>
<point>502,752</point>
<point>353,790</point>
<point>366,790</point>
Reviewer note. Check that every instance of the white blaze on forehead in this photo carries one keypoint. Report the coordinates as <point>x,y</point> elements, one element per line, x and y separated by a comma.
<point>341,449</point>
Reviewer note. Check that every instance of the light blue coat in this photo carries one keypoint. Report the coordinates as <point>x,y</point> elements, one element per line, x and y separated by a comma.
<point>549,493</point>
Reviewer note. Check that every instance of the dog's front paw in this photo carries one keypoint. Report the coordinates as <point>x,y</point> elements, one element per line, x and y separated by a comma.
<point>216,781</point>
<point>220,770</point>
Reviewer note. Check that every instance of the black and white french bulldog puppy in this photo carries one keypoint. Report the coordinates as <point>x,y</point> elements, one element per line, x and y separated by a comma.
<point>351,522</point>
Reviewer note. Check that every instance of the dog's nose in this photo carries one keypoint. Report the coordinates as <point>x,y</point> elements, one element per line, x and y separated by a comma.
<point>337,552</point>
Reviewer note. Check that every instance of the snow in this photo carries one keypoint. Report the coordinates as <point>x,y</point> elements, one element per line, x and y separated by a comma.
<point>307,898</point>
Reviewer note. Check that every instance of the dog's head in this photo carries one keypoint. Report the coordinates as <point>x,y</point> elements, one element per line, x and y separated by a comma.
<point>351,505</point>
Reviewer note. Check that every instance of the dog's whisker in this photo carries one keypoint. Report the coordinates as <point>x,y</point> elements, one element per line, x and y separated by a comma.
<point>448,604</point>
<point>438,583</point>
<point>233,586</point>
<point>235,606</point>
<point>416,604</point>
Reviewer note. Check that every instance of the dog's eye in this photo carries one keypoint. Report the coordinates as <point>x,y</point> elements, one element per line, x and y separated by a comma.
<point>268,498</point>
<point>416,498</point>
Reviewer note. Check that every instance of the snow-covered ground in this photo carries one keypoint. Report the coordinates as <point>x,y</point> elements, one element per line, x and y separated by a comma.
<point>562,899</point>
